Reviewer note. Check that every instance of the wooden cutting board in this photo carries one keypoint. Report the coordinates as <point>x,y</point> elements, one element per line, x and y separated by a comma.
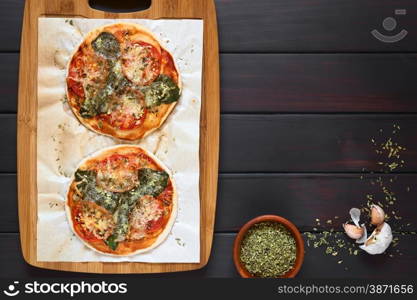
<point>27,125</point>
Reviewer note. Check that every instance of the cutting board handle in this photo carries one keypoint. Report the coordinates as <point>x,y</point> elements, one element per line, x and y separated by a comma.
<point>86,4</point>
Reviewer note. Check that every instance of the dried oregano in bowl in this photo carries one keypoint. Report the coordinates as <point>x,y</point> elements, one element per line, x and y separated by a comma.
<point>268,249</point>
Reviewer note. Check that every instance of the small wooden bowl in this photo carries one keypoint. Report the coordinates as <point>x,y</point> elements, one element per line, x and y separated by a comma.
<point>269,218</point>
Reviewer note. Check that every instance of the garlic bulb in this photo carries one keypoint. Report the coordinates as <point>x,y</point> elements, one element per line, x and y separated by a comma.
<point>379,240</point>
<point>353,231</point>
<point>377,215</point>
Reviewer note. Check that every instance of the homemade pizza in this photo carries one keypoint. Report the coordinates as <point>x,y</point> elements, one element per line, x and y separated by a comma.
<point>121,201</point>
<point>121,82</point>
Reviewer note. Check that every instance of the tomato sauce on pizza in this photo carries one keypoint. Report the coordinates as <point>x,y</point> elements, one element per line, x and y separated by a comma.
<point>121,82</point>
<point>121,201</point>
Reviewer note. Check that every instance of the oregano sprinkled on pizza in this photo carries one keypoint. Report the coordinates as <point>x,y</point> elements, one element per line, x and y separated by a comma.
<point>121,201</point>
<point>121,82</point>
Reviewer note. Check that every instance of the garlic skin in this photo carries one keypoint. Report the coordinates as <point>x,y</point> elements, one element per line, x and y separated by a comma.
<point>364,237</point>
<point>379,240</point>
<point>377,215</point>
<point>355,215</point>
<point>353,231</point>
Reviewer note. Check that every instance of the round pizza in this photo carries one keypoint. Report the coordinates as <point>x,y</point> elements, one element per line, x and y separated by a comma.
<point>121,201</point>
<point>121,82</point>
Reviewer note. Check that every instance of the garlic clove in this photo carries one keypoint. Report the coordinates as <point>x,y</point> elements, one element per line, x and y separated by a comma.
<point>377,215</point>
<point>364,236</point>
<point>379,240</point>
<point>353,231</point>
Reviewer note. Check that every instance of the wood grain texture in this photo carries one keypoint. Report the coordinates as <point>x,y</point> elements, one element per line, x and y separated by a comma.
<point>312,143</point>
<point>272,83</point>
<point>8,151</point>
<point>8,216</point>
<point>330,83</point>
<point>306,26</point>
<point>302,198</point>
<point>27,121</point>
<point>299,197</point>
<point>221,264</point>
<point>11,15</point>
<point>9,63</point>
<point>283,26</point>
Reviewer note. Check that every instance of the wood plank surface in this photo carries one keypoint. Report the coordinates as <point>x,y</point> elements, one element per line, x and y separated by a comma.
<point>27,125</point>
<point>312,26</point>
<point>271,83</point>
<point>8,197</point>
<point>290,143</point>
<point>302,198</point>
<point>9,66</point>
<point>312,143</point>
<point>316,263</point>
<point>282,26</point>
<point>11,16</point>
<point>330,83</point>
<point>8,149</point>
<point>299,197</point>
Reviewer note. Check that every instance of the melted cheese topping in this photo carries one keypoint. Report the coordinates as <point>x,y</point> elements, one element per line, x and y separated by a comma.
<point>127,111</point>
<point>147,210</point>
<point>95,68</point>
<point>130,105</point>
<point>95,221</point>
<point>117,177</point>
<point>90,70</point>
<point>139,65</point>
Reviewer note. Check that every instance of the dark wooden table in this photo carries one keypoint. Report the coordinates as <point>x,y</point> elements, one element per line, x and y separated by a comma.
<point>305,87</point>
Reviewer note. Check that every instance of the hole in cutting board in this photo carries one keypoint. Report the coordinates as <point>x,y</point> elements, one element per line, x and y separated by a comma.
<point>120,6</point>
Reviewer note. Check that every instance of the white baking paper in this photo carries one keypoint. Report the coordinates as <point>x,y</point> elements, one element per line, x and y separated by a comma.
<point>63,142</point>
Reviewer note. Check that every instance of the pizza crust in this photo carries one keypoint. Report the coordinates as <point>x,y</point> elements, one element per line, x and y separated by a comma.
<point>148,126</point>
<point>162,236</point>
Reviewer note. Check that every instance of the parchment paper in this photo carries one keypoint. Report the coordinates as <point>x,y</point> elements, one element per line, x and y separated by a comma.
<point>63,142</point>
